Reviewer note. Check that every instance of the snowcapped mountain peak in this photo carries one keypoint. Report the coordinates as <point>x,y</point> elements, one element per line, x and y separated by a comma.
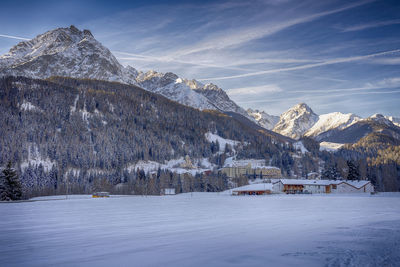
<point>395,121</point>
<point>179,80</point>
<point>334,120</point>
<point>264,119</point>
<point>65,52</point>
<point>193,84</point>
<point>211,86</point>
<point>302,106</point>
<point>296,121</point>
<point>379,118</point>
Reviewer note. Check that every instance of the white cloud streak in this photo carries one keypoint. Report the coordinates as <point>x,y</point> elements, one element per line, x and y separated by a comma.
<point>376,24</point>
<point>306,66</point>
<point>254,90</point>
<point>167,59</point>
<point>387,61</point>
<point>14,37</point>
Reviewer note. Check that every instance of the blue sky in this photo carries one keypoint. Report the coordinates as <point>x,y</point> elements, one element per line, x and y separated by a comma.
<point>334,55</point>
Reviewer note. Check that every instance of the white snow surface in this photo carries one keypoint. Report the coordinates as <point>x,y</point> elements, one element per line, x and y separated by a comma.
<point>203,229</point>
<point>394,120</point>
<point>300,146</point>
<point>28,106</point>
<point>382,119</point>
<point>174,165</point>
<point>335,120</point>
<point>35,159</point>
<point>255,163</point>
<point>254,187</point>
<point>329,146</point>
<point>211,137</point>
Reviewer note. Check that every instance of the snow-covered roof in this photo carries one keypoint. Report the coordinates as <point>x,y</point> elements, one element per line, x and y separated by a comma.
<point>254,187</point>
<point>267,167</point>
<point>303,182</point>
<point>254,163</point>
<point>357,184</point>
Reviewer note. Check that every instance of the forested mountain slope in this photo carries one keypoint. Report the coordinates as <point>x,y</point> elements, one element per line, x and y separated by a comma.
<point>88,127</point>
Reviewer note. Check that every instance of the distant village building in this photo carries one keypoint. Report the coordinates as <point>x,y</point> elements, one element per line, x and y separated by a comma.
<point>264,172</point>
<point>168,191</point>
<point>253,189</point>
<point>188,163</point>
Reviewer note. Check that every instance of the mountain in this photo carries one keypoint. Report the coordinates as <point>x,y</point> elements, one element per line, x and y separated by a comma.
<point>69,52</point>
<point>217,97</point>
<point>65,52</point>
<point>264,119</point>
<point>335,120</point>
<point>395,121</point>
<point>173,87</point>
<point>352,134</point>
<point>87,130</point>
<point>296,121</point>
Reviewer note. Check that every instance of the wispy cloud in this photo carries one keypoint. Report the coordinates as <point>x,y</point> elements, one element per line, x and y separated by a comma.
<point>387,61</point>
<point>306,66</point>
<point>375,24</point>
<point>254,90</point>
<point>241,36</point>
<point>167,59</point>
<point>14,37</point>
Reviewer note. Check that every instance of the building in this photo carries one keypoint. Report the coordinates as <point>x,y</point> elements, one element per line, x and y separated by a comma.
<point>253,189</point>
<point>265,172</point>
<point>353,187</point>
<point>187,164</point>
<point>168,191</point>
<point>296,186</point>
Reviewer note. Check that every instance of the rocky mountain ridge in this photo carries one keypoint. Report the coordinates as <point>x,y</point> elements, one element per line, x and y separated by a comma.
<point>70,52</point>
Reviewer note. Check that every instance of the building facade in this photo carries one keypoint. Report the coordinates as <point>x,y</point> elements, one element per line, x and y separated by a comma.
<point>296,186</point>
<point>257,172</point>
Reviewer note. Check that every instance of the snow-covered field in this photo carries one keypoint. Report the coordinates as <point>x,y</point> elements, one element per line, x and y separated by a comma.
<point>203,229</point>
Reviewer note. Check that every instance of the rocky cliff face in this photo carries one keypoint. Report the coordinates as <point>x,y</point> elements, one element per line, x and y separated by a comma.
<point>296,121</point>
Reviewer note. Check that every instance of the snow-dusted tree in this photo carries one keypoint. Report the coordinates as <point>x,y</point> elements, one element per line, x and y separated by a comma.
<point>353,173</point>
<point>330,173</point>
<point>10,186</point>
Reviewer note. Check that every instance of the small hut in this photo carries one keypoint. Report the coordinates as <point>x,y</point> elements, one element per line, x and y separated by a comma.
<point>168,191</point>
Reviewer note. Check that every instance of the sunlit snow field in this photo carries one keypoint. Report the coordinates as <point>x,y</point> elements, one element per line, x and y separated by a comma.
<point>203,229</point>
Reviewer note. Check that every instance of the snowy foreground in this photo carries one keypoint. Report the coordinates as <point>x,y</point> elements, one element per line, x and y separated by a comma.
<point>203,229</point>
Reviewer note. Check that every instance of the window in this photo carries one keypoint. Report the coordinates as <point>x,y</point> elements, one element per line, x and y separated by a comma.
<point>334,186</point>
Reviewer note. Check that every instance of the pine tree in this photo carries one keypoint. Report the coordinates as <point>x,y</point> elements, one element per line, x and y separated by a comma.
<point>330,173</point>
<point>353,173</point>
<point>10,186</point>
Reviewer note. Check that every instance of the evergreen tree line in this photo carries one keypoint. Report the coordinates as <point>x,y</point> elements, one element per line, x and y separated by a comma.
<point>10,186</point>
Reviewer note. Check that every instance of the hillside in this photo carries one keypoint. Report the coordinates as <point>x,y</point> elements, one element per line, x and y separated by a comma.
<point>88,129</point>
